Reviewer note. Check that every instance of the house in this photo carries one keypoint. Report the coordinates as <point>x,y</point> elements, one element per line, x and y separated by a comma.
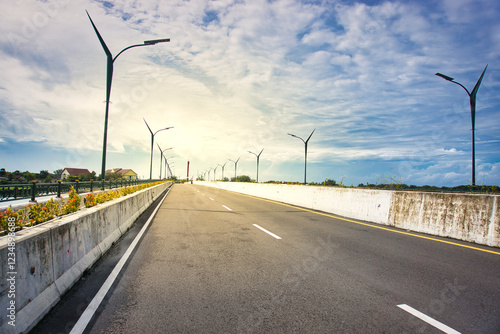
<point>67,172</point>
<point>126,174</point>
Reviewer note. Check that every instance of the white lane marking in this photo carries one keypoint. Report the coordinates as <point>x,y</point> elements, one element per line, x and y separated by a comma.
<point>264,230</point>
<point>227,208</point>
<point>211,198</point>
<point>428,319</point>
<point>87,315</point>
<point>203,194</point>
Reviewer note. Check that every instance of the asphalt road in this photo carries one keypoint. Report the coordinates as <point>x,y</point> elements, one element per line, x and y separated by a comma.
<point>214,261</point>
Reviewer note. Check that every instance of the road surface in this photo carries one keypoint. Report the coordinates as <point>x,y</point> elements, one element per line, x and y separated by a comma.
<point>213,261</point>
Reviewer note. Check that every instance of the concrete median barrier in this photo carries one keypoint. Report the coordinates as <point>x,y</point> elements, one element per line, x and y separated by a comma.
<point>468,217</point>
<point>41,263</point>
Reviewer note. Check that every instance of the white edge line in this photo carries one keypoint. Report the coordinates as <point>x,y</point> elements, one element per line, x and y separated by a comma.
<point>87,315</point>
<point>428,319</point>
<point>227,208</point>
<point>264,230</point>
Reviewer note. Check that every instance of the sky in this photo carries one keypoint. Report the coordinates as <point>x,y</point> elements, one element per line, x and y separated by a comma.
<point>238,76</point>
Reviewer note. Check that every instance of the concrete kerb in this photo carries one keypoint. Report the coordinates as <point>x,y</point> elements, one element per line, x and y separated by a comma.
<point>51,257</point>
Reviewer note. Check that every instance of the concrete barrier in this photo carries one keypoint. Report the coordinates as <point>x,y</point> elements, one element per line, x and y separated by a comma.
<point>468,217</point>
<point>51,257</point>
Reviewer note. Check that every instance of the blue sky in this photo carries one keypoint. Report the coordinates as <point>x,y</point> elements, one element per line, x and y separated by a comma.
<point>238,76</point>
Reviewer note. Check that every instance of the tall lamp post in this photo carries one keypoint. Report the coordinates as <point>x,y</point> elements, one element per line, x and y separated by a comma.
<point>305,159</point>
<point>472,100</point>
<point>223,170</point>
<point>167,165</point>
<point>152,144</point>
<point>109,77</point>
<point>161,158</point>
<point>215,169</point>
<point>170,167</point>
<point>235,165</point>
<point>258,157</point>
<point>166,170</point>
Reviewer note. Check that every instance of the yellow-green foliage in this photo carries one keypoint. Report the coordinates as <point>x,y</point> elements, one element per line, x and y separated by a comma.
<point>34,214</point>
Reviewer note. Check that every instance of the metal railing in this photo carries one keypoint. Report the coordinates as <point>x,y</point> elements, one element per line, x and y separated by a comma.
<point>11,192</point>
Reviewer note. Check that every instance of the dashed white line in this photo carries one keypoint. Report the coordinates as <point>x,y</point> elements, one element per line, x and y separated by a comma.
<point>429,320</point>
<point>211,198</point>
<point>264,230</point>
<point>227,208</point>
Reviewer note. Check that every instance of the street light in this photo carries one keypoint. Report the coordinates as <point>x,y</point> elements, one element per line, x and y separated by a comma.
<point>258,157</point>
<point>305,159</point>
<point>472,100</point>
<point>235,165</point>
<point>152,144</point>
<point>170,167</point>
<point>215,169</point>
<point>109,77</point>
<point>161,157</point>
<point>166,164</point>
<point>223,170</point>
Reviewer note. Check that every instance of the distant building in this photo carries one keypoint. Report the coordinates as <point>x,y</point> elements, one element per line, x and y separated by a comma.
<point>126,174</point>
<point>67,172</point>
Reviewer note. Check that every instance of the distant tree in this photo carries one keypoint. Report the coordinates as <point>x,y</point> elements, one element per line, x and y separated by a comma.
<point>3,172</point>
<point>44,174</point>
<point>241,178</point>
<point>28,176</point>
<point>57,173</point>
<point>113,176</point>
<point>16,175</point>
<point>71,178</point>
<point>329,182</point>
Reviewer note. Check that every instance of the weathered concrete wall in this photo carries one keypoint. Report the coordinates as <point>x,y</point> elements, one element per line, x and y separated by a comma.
<point>468,217</point>
<point>364,204</point>
<point>52,256</point>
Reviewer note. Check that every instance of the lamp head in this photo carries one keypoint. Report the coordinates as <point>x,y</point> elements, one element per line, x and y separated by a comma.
<point>444,77</point>
<point>155,41</point>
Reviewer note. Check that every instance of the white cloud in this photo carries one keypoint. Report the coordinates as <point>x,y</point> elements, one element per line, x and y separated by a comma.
<point>238,76</point>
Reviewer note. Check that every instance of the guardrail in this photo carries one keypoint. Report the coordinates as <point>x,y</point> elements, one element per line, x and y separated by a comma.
<point>11,192</point>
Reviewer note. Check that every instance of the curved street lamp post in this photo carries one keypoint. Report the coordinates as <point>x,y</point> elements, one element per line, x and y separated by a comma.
<point>152,144</point>
<point>472,100</point>
<point>167,167</point>
<point>223,170</point>
<point>109,77</point>
<point>215,169</point>
<point>305,158</point>
<point>258,157</point>
<point>161,157</point>
<point>235,165</point>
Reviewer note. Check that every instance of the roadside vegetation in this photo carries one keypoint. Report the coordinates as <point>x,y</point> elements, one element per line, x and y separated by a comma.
<point>386,182</point>
<point>34,214</point>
